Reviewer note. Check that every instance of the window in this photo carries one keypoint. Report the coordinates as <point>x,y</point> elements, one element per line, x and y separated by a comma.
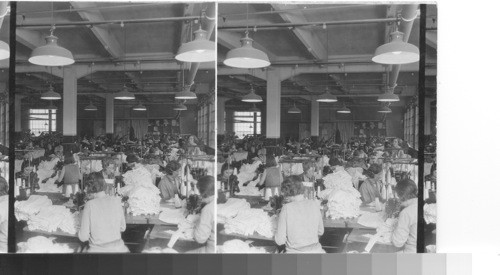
<point>247,123</point>
<point>206,123</point>
<point>42,120</point>
<point>411,126</point>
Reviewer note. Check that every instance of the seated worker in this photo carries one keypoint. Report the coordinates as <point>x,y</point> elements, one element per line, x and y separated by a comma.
<point>70,176</point>
<point>405,232</point>
<point>271,178</point>
<point>4,214</point>
<point>103,219</point>
<point>204,230</point>
<point>300,222</point>
<point>370,188</point>
<point>170,184</point>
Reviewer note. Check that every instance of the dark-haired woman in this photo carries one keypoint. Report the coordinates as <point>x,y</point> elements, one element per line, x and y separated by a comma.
<point>405,232</point>
<point>204,230</point>
<point>103,219</point>
<point>70,176</point>
<point>169,185</point>
<point>300,221</point>
<point>370,188</point>
<point>271,178</point>
<point>108,173</point>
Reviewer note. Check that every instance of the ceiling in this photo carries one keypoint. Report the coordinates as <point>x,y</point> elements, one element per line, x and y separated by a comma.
<point>339,53</point>
<point>125,44</point>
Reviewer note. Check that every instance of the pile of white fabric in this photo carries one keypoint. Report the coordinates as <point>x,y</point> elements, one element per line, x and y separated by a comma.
<point>338,179</point>
<point>247,172</point>
<point>25,209</point>
<point>53,217</point>
<point>239,246</point>
<point>89,166</point>
<point>185,229</point>
<point>172,216</point>
<point>143,197</point>
<point>230,209</point>
<point>46,169</point>
<point>250,221</point>
<point>430,213</point>
<point>154,169</point>
<point>49,186</point>
<point>343,202</point>
<point>40,244</point>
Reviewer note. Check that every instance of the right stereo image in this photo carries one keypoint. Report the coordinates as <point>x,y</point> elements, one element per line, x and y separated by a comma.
<point>326,128</point>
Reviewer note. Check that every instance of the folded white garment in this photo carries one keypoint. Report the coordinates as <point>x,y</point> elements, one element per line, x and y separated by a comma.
<point>41,244</point>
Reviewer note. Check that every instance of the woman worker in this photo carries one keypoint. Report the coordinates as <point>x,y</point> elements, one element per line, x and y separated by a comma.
<point>300,222</point>
<point>204,230</point>
<point>103,219</point>
<point>4,214</point>
<point>271,178</point>
<point>405,232</point>
<point>169,185</point>
<point>70,176</point>
<point>108,173</point>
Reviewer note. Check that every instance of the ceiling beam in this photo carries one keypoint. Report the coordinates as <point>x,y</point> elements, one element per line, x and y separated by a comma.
<point>28,38</point>
<point>306,37</point>
<point>102,33</point>
<point>185,32</point>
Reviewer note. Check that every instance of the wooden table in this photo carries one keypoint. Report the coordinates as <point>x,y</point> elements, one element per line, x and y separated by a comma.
<point>356,241</point>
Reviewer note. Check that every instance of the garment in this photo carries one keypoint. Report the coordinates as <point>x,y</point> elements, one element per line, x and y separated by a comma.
<point>4,222</point>
<point>102,222</point>
<point>299,224</point>
<point>405,233</point>
<point>369,190</point>
<point>70,174</point>
<point>169,186</point>
<point>204,230</point>
<point>272,177</point>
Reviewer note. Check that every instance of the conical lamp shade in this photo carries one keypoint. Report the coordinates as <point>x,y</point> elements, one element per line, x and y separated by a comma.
<point>51,54</point>
<point>397,51</point>
<point>4,50</point>
<point>251,97</point>
<point>90,107</point>
<point>124,94</point>
<point>385,110</point>
<point>344,110</point>
<point>180,107</point>
<point>327,97</point>
<point>294,110</point>
<point>388,97</point>
<point>198,50</point>
<point>139,107</point>
<point>185,94</point>
<point>246,56</point>
<point>52,107</point>
<point>50,95</point>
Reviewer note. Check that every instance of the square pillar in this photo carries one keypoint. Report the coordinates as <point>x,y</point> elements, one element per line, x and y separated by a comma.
<point>314,118</point>
<point>273,105</point>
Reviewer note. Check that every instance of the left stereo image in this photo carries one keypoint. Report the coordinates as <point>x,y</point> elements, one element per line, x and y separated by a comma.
<point>114,127</point>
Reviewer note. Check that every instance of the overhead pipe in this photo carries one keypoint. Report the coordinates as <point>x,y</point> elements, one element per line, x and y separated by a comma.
<point>209,23</point>
<point>306,24</point>
<point>298,10</point>
<point>409,11</point>
<point>71,9</point>
<point>106,22</point>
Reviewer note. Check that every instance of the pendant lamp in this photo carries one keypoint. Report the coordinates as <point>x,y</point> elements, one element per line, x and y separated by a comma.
<point>251,96</point>
<point>124,94</point>
<point>180,107</point>
<point>51,54</point>
<point>246,56</point>
<point>327,97</point>
<point>4,50</point>
<point>90,107</point>
<point>294,110</point>
<point>139,107</point>
<point>50,94</point>
<point>254,109</point>
<point>185,94</point>
<point>388,96</point>
<point>344,110</point>
<point>384,110</point>
<point>198,50</point>
<point>397,51</point>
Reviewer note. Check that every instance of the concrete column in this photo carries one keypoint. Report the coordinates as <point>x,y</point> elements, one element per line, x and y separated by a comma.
<point>427,116</point>
<point>110,113</point>
<point>221,109</point>
<point>69,102</point>
<point>314,118</point>
<point>17,109</point>
<point>273,105</point>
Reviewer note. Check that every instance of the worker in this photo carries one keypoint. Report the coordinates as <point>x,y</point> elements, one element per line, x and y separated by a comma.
<point>4,214</point>
<point>103,219</point>
<point>204,230</point>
